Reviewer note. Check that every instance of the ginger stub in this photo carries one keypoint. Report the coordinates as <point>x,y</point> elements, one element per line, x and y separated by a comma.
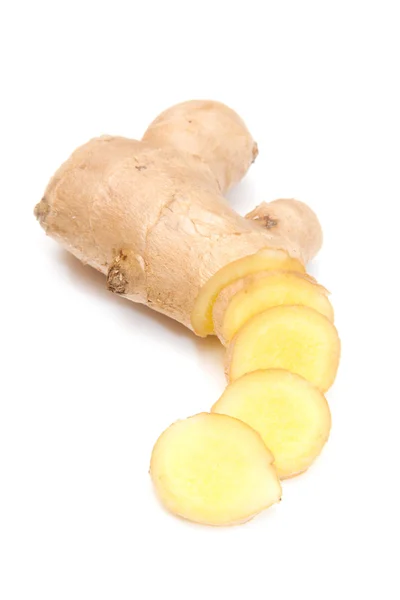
<point>290,414</point>
<point>294,338</point>
<point>213,469</point>
<point>250,295</point>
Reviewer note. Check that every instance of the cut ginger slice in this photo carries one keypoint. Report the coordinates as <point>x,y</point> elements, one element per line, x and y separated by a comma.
<point>290,414</point>
<point>267,259</point>
<point>250,295</point>
<point>213,469</point>
<point>295,338</point>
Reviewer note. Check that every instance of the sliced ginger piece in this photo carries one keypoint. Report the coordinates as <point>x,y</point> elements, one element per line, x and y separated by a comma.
<point>213,469</point>
<point>290,414</point>
<point>295,338</point>
<point>250,295</point>
<point>267,259</point>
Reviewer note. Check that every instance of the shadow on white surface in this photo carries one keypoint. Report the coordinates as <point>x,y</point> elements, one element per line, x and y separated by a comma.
<point>93,281</point>
<point>313,268</point>
<point>242,197</point>
<point>209,351</point>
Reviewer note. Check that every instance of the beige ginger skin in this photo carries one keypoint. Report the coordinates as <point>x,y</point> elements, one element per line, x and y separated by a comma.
<point>151,214</point>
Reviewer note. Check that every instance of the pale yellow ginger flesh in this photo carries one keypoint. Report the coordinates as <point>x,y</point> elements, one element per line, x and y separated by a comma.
<point>267,259</point>
<point>290,414</point>
<point>295,338</point>
<point>213,469</point>
<point>253,294</point>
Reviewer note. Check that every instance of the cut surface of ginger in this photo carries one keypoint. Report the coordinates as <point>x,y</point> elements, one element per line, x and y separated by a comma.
<point>267,259</point>
<point>213,469</point>
<point>294,338</point>
<point>290,414</point>
<point>249,296</point>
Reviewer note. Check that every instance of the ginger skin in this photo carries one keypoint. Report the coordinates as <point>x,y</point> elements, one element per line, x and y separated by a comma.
<point>151,216</point>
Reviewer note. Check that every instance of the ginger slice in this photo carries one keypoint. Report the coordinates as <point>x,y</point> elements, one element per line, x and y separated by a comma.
<point>267,259</point>
<point>213,469</point>
<point>253,294</point>
<point>290,414</point>
<point>295,338</point>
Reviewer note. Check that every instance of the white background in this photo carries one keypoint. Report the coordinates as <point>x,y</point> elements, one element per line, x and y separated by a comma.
<point>89,380</point>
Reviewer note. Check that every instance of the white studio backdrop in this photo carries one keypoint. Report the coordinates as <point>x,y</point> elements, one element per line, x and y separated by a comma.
<point>89,380</point>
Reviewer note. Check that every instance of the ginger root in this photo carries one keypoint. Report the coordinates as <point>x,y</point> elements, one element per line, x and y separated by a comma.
<point>250,295</point>
<point>213,469</point>
<point>289,413</point>
<point>151,216</point>
<point>294,221</point>
<point>295,338</point>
